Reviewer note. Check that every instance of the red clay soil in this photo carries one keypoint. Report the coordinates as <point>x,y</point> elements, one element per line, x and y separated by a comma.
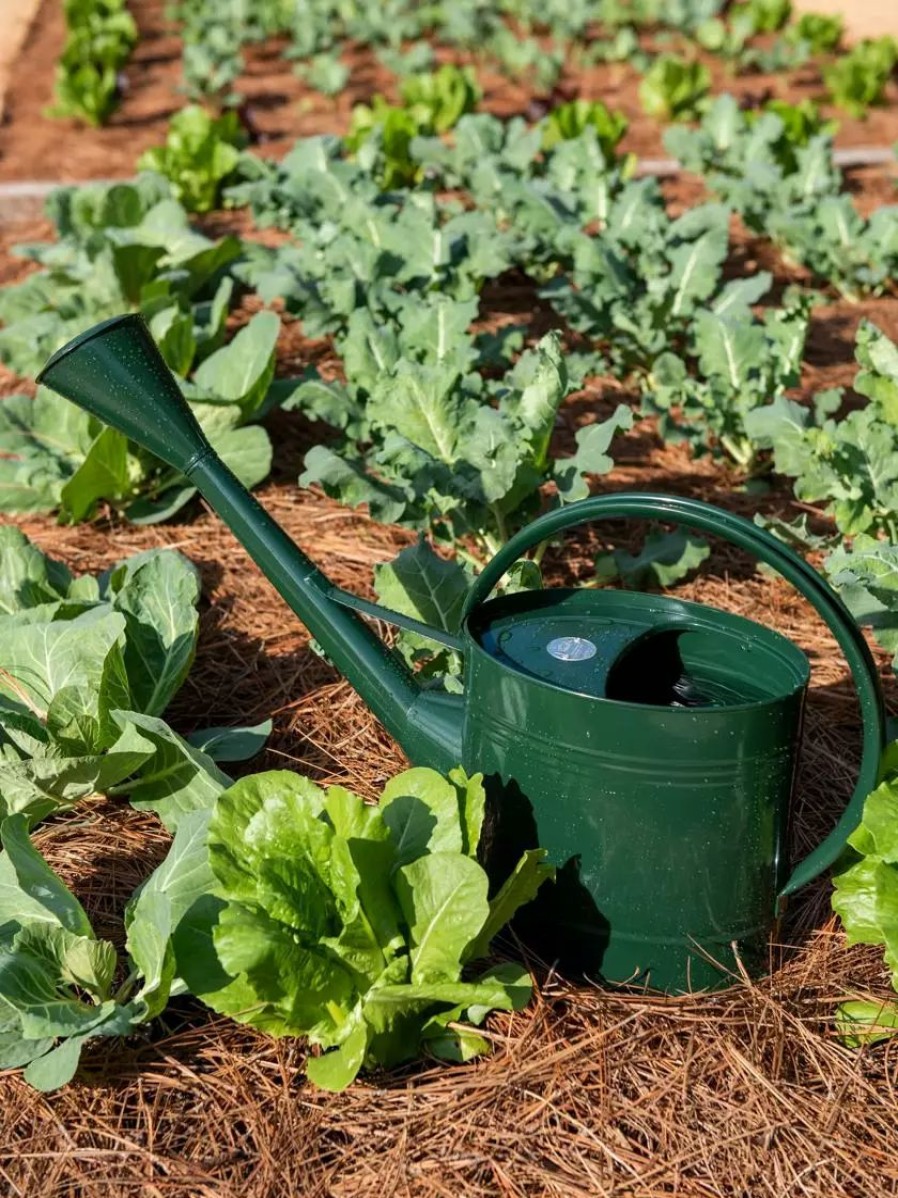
<point>281,108</point>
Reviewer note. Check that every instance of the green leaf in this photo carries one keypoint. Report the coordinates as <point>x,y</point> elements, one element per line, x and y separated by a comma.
<point>338,1068</point>
<point>419,583</point>
<point>245,451</point>
<point>150,948</point>
<point>167,911</point>
<point>241,371</point>
<point>592,457</point>
<point>860,1023</point>
<point>231,744</point>
<point>444,899</point>
<point>157,593</point>
<point>56,1068</point>
<point>153,509</point>
<point>44,899</point>
<point>472,805</point>
<point>425,403</point>
<point>104,474</point>
<point>38,660</point>
<point>27,576</point>
<point>520,887</point>
<point>666,558</point>
<point>350,483</point>
<point>39,785</point>
<point>423,813</point>
<point>31,982</point>
<point>543,393</point>
<point>177,780</point>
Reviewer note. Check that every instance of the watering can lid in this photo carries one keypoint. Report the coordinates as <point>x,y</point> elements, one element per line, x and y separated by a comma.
<point>578,640</point>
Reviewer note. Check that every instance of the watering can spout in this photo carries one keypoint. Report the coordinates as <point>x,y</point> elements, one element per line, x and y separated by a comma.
<point>115,372</point>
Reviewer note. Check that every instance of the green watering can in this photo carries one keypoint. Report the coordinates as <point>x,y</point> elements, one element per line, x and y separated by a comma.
<point>650,744</point>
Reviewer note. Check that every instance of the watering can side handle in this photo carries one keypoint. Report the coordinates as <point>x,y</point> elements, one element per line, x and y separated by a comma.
<point>704,517</point>
<point>355,602</point>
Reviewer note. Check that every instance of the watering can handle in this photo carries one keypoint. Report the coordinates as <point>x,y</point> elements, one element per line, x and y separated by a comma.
<point>692,513</point>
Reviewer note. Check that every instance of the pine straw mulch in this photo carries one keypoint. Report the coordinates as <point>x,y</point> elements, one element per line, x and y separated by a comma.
<point>589,1092</point>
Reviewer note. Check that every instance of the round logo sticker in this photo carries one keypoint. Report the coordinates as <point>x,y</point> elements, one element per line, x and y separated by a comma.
<point>571,648</point>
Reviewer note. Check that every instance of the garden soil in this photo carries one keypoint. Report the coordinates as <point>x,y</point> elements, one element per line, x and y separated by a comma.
<point>278,107</point>
<point>588,1092</point>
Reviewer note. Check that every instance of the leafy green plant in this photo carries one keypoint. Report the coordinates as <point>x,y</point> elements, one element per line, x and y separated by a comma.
<point>788,147</point>
<point>433,446</point>
<point>325,73</point>
<point>736,361</point>
<point>821,33</point>
<point>352,925</point>
<point>212,61</point>
<point>866,892</point>
<point>58,981</point>
<point>440,98</point>
<point>801,123</point>
<point>199,157</point>
<point>791,193</point>
<point>567,121</point>
<point>100,35</point>
<point>636,290</point>
<point>673,89</point>
<point>72,652</point>
<point>848,463</point>
<point>431,104</point>
<point>857,80</point>
<point>57,457</point>
<point>730,36</point>
<point>60,985</point>
<point>765,16</point>
<point>665,559</point>
<point>120,247</point>
<point>354,247</point>
<point>526,57</point>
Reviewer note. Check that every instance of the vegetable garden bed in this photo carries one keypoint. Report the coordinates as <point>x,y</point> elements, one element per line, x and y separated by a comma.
<point>587,1091</point>
<point>281,108</point>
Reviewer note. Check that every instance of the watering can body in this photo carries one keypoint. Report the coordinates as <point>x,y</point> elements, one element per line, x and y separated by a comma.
<point>665,810</point>
<point>649,744</point>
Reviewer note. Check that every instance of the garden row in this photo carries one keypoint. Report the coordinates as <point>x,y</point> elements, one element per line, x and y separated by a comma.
<point>536,42</point>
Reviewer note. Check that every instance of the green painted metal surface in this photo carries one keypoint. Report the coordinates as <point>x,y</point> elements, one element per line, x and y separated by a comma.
<point>648,743</point>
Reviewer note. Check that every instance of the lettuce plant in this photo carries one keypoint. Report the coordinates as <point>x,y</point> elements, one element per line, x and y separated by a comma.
<point>431,104</point>
<point>673,89</point>
<point>100,35</point>
<point>821,33</point>
<point>857,80</point>
<point>567,121</point>
<point>866,900</point>
<point>199,157</point>
<point>358,926</point>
